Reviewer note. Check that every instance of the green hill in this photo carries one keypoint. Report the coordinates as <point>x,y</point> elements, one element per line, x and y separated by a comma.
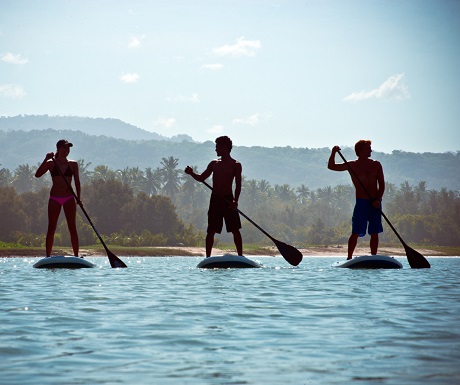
<point>279,165</point>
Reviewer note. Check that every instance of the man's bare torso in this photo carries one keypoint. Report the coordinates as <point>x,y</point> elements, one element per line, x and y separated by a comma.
<point>224,172</point>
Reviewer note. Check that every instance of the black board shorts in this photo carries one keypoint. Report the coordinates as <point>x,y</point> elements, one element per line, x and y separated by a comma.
<point>366,216</point>
<point>219,209</point>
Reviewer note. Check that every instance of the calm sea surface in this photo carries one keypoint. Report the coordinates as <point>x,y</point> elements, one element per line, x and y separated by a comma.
<point>163,321</point>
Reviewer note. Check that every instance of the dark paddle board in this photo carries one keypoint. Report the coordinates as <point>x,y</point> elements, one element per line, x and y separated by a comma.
<point>227,261</point>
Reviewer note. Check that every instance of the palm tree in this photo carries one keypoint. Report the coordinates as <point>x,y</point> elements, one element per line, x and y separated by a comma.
<point>23,179</point>
<point>5,177</point>
<point>251,192</point>
<point>284,192</point>
<point>83,171</point>
<point>44,181</point>
<point>406,198</point>
<point>103,173</point>
<point>189,188</point>
<point>264,186</point>
<point>325,195</point>
<point>303,194</point>
<point>137,179</point>
<point>152,181</point>
<point>170,176</point>
<point>124,176</point>
<point>420,193</point>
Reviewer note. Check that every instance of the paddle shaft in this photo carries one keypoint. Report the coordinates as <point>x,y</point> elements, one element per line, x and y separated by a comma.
<point>110,254</point>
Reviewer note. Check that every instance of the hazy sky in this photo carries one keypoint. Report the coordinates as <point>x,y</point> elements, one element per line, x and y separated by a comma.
<point>266,73</point>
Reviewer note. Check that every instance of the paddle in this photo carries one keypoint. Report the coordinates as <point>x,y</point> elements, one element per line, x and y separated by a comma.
<point>415,259</point>
<point>113,259</point>
<point>289,253</point>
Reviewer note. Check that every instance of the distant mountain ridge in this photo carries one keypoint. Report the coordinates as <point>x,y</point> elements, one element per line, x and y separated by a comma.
<point>110,127</point>
<point>278,165</point>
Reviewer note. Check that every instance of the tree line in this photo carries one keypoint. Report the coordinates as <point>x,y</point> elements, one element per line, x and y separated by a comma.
<point>163,206</point>
<point>289,165</point>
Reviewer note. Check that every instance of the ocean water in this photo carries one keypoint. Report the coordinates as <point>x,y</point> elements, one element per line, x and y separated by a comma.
<point>163,321</point>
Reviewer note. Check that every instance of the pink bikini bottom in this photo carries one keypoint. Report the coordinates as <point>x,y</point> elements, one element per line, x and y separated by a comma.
<point>61,200</point>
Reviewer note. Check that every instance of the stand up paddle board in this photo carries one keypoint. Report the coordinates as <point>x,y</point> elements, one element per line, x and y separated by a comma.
<point>61,262</point>
<point>370,262</point>
<point>227,261</point>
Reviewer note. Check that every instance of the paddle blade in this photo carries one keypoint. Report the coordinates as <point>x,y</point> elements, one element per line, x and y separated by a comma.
<point>289,253</point>
<point>114,260</point>
<point>415,259</point>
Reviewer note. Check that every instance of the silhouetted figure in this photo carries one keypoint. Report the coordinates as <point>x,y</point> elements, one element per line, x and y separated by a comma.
<point>366,214</point>
<point>224,171</point>
<point>60,193</point>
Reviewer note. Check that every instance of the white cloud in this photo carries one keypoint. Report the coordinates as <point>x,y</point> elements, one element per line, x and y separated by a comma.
<point>252,120</point>
<point>178,58</point>
<point>393,88</point>
<point>14,58</point>
<point>242,47</point>
<point>213,67</point>
<point>135,42</point>
<point>216,129</point>
<point>184,99</point>
<point>12,91</point>
<point>130,78</point>
<point>165,122</point>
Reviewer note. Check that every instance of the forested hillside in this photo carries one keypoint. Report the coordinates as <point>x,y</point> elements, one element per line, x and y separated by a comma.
<point>160,205</point>
<point>279,165</point>
<point>114,128</point>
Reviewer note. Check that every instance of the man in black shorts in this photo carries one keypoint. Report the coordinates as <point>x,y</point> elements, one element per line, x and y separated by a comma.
<point>223,203</point>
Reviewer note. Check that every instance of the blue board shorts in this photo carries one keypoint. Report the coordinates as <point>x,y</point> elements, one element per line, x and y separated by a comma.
<point>219,209</point>
<point>363,214</point>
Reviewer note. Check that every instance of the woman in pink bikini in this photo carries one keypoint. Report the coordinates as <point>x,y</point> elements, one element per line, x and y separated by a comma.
<point>61,195</point>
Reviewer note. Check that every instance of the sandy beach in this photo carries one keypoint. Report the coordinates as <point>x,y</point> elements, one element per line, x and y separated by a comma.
<point>338,250</point>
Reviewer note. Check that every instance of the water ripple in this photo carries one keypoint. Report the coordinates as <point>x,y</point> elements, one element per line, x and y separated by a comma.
<point>164,321</point>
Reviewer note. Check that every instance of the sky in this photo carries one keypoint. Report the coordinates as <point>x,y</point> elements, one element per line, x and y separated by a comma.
<point>266,73</point>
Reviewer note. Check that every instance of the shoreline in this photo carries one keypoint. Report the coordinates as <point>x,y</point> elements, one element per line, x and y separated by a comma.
<point>183,251</point>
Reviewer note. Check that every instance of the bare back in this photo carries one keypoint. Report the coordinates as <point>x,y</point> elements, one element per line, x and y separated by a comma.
<point>370,174</point>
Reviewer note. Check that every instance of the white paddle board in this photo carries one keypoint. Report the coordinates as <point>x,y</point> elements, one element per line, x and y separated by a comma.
<point>370,262</point>
<point>63,262</point>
